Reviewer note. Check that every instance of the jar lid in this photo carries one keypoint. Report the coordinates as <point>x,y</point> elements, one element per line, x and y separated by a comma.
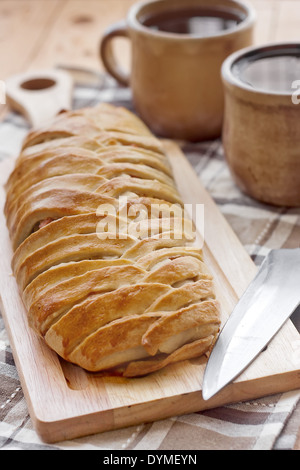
<point>271,69</point>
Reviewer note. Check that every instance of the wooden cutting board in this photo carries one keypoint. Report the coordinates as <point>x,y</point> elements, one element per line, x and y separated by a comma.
<point>66,402</point>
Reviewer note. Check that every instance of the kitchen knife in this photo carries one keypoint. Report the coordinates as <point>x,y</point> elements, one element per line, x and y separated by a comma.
<point>267,303</point>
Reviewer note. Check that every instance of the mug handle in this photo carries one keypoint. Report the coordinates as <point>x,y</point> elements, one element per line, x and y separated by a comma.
<point>106,53</point>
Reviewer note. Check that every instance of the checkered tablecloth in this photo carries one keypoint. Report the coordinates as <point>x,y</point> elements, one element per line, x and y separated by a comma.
<point>264,424</point>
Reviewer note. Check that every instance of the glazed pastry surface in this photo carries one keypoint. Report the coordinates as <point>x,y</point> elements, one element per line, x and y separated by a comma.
<point>104,258</point>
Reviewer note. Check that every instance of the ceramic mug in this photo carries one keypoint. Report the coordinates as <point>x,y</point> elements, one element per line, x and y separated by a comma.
<point>261,134</point>
<point>175,76</point>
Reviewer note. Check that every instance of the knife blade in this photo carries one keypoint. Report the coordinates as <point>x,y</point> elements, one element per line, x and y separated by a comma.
<point>265,306</point>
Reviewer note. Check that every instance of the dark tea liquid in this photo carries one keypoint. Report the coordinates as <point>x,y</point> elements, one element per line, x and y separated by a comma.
<point>193,21</point>
<point>276,73</point>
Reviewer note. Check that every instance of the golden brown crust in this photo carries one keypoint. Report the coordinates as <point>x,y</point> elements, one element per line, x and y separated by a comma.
<point>104,259</point>
<point>188,351</point>
<point>203,315</point>
<point>93,313</point>
<point>66,249</point>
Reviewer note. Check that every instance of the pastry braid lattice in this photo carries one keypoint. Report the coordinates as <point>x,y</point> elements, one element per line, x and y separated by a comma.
<point>107,278</point>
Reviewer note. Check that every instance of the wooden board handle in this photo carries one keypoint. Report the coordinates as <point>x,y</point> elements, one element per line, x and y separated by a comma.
<point>39,96</point>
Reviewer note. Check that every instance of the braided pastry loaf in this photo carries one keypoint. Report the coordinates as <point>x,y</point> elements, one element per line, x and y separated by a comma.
<point>105,278</point>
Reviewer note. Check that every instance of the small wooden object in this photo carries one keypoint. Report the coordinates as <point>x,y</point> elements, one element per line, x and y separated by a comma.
<point>40,95</point>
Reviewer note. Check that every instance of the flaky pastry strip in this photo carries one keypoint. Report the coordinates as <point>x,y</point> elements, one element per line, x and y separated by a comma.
<point>54,205</point>
<point>60,228</point>
<point>120,336</point>
<point>71,248</point>
<point>62,272</point>
<point>59,299</point>
<point>183,296</point>
<point>176,270</point>
<point>96,311</point>
<point>172,323</point>
<point>72,182</point>
<point>103,255</point>
<point>188,351</point>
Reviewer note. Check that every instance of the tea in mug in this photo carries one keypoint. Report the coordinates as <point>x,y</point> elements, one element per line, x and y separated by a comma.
<point>198,21</point>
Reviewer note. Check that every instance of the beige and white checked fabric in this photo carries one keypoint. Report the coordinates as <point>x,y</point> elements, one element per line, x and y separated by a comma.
<point>265,424</point>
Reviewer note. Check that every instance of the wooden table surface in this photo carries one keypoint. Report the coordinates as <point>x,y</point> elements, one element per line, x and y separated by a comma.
<point>43,33</point>
<point>37,34</point>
